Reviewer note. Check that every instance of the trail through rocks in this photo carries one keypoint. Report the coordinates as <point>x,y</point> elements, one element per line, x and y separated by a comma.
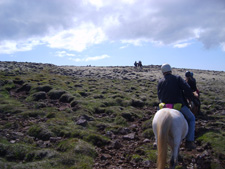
<point>126,148</point>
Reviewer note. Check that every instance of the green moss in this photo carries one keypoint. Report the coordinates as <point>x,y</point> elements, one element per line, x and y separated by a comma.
<point>119,120</point>
<point>96,139</point>
<point>66,145</point>
<point>147,124</point>
<point>152,155</point>
<point>148,133</point>
<point>13,152</point>
<point>216,140</point>
<point>136,158</point>
<point>40,131</point>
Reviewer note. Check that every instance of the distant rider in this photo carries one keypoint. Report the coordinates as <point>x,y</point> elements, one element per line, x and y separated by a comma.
<point>192,83</point>
<point>171,90</point>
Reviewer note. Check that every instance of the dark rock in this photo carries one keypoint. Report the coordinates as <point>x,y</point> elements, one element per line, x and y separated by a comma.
<point>146,141</point>
<point>137,103</point>
<point>124,131</point>
<point>20,82</point>
<point>40,105</point>
<point>84,94</point>
<point>128,117</point>
<point>82,122</point>
<point>116,144</point>
<point>25,87</point>
<point>105,156</point>
<point>146,163</point>
<point>56,94</point>
<point>101,127</point>
<point>130,136</point>
<point>77,85</point>
<point>66,98</point>
<point>74,103</point>
<point>55,139</point>
<point>86,117</point>
<point>39,96</point>
<point>44,88</point>
<point>110,134</point>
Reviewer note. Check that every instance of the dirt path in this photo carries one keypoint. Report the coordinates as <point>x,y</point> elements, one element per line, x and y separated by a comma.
<point>120,154</point>
<point>123,146</point>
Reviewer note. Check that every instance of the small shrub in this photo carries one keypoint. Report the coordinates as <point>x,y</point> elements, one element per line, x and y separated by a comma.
<point>66,98</point>
<point>137,103</point>
<point>39,96</point>
<point>51,115</point>
<point>40,132</point>
<point>120,120</point>
<point>147,124</point>
<point>99,110</point>
<point>85,149</point>
<point>68,159</point>
<point>55,94</point>
<point>97,140</point>
<point>66,145</point>
<point>3,149</point>
<point>45,88</point>
<point>137,158</point>
<point>16,152</point>
<point>148,133</point>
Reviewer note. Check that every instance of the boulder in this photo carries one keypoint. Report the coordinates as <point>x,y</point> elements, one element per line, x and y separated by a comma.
<point>55,94</point>
<point>130,136</point>
<point>66,98</point>
<point>39,96</point>
<point>45,88</point>
<point>25,88</point>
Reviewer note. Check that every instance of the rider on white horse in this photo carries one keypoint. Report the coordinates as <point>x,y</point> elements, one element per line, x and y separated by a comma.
<point>171,90</point>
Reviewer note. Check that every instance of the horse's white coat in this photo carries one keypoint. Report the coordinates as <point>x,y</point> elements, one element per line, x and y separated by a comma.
<point>170,126</point>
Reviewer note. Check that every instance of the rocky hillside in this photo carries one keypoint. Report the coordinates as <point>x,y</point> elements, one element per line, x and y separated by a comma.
<point>98,117</point>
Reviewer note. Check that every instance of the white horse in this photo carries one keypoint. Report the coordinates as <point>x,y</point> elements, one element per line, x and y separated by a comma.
<point>169,127</point>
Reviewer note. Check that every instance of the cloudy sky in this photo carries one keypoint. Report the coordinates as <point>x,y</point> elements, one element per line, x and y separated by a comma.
<point>184,33</point>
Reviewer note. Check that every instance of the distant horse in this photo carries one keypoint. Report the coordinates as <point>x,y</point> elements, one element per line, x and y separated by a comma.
<point>169,127</point>
<point>194,105</point>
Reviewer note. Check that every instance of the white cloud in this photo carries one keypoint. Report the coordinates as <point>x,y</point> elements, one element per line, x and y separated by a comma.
<point>97,58</point>
<point>9,46</point>
<point>181,45</point>
<point>87,59</point>
<point>75,25</point>
<point>63,54</point>
<point>125,46</point>
<point>223,46</point>
<point>76,39</point>
<point>97,3</point>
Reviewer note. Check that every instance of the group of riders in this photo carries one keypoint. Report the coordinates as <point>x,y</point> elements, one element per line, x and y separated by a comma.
<point>175,92</point>
<point>138,64</point>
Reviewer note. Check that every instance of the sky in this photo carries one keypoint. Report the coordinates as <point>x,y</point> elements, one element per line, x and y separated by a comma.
<point>184,33</point>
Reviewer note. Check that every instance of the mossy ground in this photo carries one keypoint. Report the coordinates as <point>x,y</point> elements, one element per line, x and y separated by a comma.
<point>44,133</point>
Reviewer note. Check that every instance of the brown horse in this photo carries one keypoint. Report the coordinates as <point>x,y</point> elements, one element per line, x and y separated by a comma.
<point>194,104</point>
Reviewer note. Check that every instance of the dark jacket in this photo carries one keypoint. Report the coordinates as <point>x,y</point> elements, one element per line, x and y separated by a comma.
<point>172,89</point>
<point>192,83</point>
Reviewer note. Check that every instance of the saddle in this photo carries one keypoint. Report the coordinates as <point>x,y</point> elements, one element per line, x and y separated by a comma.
<point>176,106</point>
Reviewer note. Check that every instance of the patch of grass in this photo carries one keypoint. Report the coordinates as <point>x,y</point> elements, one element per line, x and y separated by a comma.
<point>148,133</point>
<point>13,152</point>
<point>119,120</point>
<point>96,139</point>
<point>216,140</point>
<point>152,155</point>
<point>67,144</point>
<point>40,131</point>
<point>137,158</point>
<point>147,124</point>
